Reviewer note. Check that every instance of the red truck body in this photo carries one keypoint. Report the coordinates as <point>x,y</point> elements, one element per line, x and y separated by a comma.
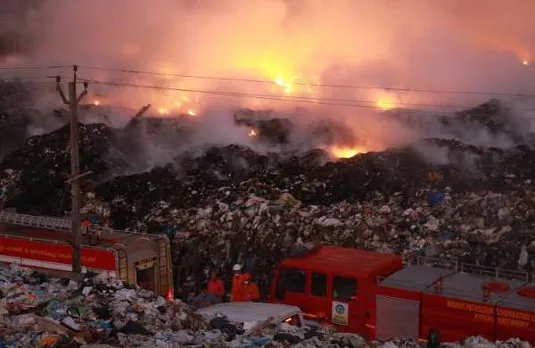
<point>45,243</point>
<point>374,294</point>
<point>55,255</point>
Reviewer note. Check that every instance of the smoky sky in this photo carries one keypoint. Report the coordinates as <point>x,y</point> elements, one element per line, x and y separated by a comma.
<point>453,45</point>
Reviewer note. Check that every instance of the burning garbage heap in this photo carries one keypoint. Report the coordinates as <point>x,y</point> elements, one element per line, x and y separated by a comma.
<point>40,311</point>
<point>478,207</point>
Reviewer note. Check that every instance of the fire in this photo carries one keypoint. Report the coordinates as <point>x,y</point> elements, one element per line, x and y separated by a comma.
<point>252,132</point>
<point>170,295</point>
<point>178,105</point>
<point>385,103</point>
<point>525,62</point>
<point>346,152</point>
<point>96,102</point>
<point>285,84</point>
<point>163,111</point>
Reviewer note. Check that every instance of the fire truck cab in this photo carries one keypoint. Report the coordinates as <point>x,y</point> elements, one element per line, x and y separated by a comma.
<point>334,285</point>
<point>45,243</point>
<point>379,296</point>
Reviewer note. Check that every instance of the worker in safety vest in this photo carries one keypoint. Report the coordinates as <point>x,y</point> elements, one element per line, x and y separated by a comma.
<point>237,293</point>
<point>251,292</point>
<point>243,289</point>
<point>216,286</point>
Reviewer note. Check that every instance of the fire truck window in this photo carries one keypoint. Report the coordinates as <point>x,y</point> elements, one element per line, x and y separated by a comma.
<point>291,280</point>
<point>344,288</point>
<point>318,286</point>
<point>145,278</point>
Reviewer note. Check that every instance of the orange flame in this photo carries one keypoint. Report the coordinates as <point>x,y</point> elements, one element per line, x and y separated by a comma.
<point>252,132</point>
<point>386,103</point>
<point>170,295</point>
<point>346,152</point>
<point>286,85</point>
<point>163,111</point>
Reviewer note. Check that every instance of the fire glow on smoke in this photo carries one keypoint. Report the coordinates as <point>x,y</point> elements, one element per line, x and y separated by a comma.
<point>346,152</point>
<point>293,48</point>
<point>184,106</point>
<point>386,103</point>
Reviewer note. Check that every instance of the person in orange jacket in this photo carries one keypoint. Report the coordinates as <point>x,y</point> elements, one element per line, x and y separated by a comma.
<point>243,290</point>
<point>251,292</point>
<point>216,286</point>
<point>237,293</point>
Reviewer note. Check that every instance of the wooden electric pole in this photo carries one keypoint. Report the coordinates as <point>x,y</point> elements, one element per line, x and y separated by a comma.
<point>74,180</point>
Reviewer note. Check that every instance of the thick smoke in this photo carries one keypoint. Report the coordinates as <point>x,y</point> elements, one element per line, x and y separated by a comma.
<point>416,44</point>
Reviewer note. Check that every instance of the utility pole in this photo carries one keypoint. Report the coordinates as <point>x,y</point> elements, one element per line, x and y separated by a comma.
<point>74,180</point>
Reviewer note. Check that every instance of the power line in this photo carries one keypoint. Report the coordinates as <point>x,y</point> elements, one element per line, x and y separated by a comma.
<point>26,78</point>
<point>313,100</point>
<point>320,85</point>
<point>308,100</point>
<point>301,99</point>
<point>34,67</point>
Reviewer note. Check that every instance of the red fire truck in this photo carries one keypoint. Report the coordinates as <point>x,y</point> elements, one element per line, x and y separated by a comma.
<point>45,243</point>
<point>377,295</point>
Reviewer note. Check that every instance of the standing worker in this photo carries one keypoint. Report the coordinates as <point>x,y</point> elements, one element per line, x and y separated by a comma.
<point>243,289</point>
<point>237,293</point>
<point>216,286</point>
<point>251,292</point>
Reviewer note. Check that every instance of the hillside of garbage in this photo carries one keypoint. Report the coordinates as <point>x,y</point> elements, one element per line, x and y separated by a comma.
<point>436,197</point>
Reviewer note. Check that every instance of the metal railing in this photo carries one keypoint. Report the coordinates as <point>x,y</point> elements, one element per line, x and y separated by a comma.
<point>34,221</point>
<point>54,223</point>
<point>492,272</point>
<point>468,268</point>
<point>452,265</point>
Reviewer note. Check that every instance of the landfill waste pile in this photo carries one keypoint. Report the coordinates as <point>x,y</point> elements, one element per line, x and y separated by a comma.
<point>38,311</point>
<point>440,197</point>
<point>477,206</point>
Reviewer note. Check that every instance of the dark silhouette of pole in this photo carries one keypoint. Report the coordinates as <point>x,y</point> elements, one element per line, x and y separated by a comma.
<point>74,180</point>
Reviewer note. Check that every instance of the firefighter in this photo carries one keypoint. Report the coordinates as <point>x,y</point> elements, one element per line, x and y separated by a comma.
<point>237,284</point>
<point>216,286</point>
<point>243,289</point>
<point>250,289</point>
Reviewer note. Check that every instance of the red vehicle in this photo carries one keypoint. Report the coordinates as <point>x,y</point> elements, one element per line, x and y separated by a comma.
<point>44,243</point>
<point>375,295</point>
